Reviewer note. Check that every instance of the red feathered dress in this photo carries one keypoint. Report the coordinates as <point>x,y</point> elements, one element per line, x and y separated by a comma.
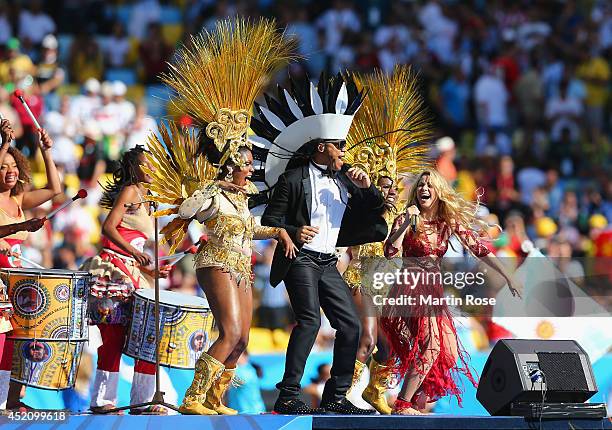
<point>408,327</point>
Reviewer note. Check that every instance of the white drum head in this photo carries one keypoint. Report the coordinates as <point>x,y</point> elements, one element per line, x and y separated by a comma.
<point>45,273</point>
<point>173,299</point>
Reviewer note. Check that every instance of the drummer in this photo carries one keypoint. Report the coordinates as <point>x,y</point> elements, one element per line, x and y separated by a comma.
<point>15,198</point>
<point>122,267</point>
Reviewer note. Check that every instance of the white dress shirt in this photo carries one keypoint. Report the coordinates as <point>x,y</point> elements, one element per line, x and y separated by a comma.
<point>328,203</point>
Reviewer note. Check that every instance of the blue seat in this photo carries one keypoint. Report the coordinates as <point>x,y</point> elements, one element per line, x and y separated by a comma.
<point>127,76</point>
<point>171,15</point>
<point>157,97</point>
<point>64,43</point>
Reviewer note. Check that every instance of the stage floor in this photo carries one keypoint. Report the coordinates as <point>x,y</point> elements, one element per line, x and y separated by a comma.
<point>285,422</point>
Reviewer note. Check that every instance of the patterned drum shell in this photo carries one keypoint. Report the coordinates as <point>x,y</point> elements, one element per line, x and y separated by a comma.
<point>48,304</point>
<point>47,364</point>
<point>185,322</point>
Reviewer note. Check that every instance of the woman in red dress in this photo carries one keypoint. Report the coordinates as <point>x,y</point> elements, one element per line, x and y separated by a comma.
<point>423,339</point>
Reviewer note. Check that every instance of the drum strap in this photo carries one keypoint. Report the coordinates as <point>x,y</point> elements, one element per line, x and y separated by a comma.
<point>118,262</point>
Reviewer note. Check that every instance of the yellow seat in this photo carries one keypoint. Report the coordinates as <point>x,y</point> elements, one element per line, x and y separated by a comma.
<point>68,89</point>
<point>133,55</point>
<point>172,33</point>
<point>72,182</point>
<point>135,93</point>
<point>39,180</point>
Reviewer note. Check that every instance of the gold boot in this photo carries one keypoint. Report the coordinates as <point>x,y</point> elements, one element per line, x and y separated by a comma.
<point>214,396</point>
<point>359,368</point>
<point>207,372</point>
<point>374,393</point>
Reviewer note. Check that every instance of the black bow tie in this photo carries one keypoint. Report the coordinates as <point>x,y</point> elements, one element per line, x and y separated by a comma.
<point>326,172</point>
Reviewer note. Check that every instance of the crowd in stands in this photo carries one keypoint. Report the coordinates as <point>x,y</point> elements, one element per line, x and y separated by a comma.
<point>520,92</point>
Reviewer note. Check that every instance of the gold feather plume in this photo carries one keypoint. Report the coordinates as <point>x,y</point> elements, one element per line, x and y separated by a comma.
<point>217,77</point>
<point>393,125</point>
<point>220,73</point>
<point>177,172</point>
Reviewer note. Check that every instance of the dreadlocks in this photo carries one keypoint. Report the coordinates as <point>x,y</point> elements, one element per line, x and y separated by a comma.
<point>126,174</point>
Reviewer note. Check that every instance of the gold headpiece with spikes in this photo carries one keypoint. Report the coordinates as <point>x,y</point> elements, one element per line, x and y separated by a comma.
<point>219,75</point>
<point>391,130</point>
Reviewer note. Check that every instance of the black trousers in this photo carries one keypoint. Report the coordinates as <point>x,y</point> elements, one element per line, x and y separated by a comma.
<point>313,283</point>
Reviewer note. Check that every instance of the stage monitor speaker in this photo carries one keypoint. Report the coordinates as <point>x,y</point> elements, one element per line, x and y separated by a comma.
<point>520,371</point>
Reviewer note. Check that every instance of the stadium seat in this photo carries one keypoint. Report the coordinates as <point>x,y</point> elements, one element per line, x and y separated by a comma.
<point>125,75</point>
<point>172,33</point>
<point>64,43</point>
<point>157,97</point>
<point>123,13</point>
<point>135,93</point>
<point>171,15</point>
<point>68,89</point>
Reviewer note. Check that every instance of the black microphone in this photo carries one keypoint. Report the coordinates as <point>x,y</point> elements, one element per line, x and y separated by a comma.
<point>413,222</point>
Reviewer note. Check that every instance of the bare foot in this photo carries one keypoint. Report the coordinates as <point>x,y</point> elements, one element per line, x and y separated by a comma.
<point>407,411</point>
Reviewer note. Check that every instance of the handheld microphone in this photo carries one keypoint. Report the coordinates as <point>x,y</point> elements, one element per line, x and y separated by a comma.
<point>413,222</point>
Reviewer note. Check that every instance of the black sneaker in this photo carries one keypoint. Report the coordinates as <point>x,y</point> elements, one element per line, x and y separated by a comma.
<point>344,407</point>
<point>295,407</point>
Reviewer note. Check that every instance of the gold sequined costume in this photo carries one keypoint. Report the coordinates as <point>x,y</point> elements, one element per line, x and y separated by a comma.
<point>388,137</point>
<point>217,78</point>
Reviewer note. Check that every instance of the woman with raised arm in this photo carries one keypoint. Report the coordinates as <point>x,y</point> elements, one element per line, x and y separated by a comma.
<point>423,339</point>
<point>15,198</point>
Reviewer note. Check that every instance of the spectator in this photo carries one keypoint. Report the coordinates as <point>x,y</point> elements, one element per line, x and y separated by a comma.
<point>445,147</point>
<point>117,49</point>
<point>154,54</point>
<point>144,13</point>
<point>125,108</point>
<point>336,22</point>
<point>29,141</point>
<point>83,106</point>
<point>595,72</point>
<point>86,59</point>
<point>454,102</point>
<point>564,112</point>
<point>6,31</point>
<point>491,98</point>
<point>140,128</point>
<point>15,65</point>
<point>315,389</point>
<point>92,164</point>
<point>62,128</point>
<point>48,71</point>
<point>246,398</point>
<point>108,119</point>
<point>8,112</point>
<point>35,24</point>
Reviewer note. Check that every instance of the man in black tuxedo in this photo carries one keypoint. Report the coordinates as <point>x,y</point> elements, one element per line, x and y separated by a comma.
<point>322,204</point>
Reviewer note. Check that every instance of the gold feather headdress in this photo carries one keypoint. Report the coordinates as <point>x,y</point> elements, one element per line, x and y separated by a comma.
<point>392,129</point>
<point>217,78</point>
<point>220,73</point>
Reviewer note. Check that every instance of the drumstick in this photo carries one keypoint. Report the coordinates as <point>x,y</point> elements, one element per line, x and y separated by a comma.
<point>192,250</point>
<point>1,139</point>
<point>80,195</point>
<point>27,260</point>
<point>19,94</point>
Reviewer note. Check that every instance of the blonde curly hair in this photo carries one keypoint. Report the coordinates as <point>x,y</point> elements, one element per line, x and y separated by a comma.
<point>453,209</point>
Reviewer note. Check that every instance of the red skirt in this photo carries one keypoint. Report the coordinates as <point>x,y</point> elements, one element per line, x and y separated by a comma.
<point>410,332</point>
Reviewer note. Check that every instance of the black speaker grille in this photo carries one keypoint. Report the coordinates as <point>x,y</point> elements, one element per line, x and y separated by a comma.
<point>563,371</point>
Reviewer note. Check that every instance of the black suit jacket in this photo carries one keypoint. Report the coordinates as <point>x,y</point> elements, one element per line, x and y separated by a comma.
<point>290,204</point>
